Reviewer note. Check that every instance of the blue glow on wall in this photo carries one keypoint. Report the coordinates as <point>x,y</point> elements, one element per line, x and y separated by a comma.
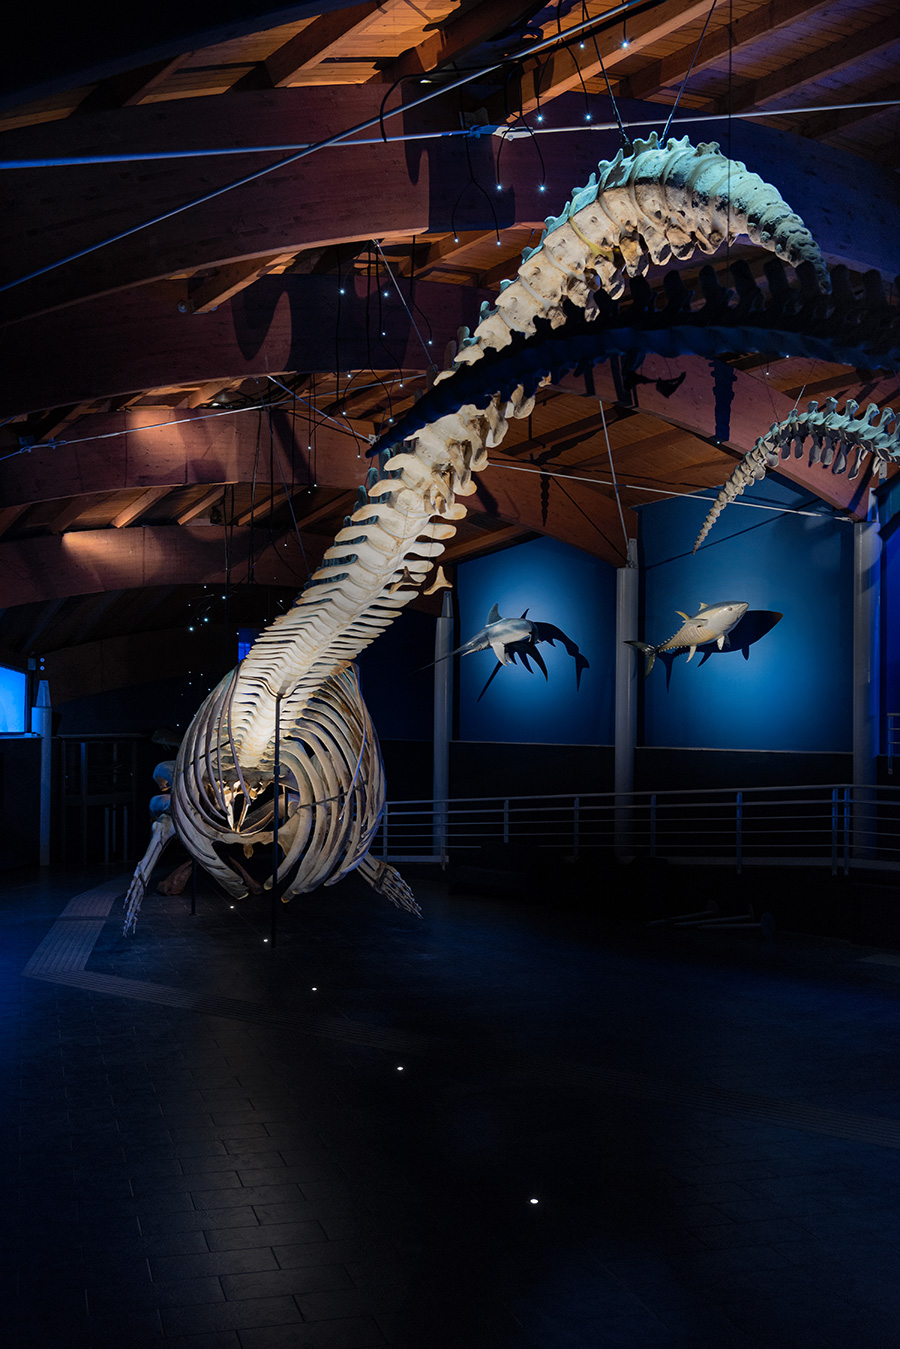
<point>556,584</point>
<point>13,701</point>
<point>794,691</point>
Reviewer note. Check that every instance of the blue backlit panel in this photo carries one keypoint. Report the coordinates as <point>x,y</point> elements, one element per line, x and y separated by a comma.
<point>794,690</point>
<point>13,701</point>
<point>559,585</point>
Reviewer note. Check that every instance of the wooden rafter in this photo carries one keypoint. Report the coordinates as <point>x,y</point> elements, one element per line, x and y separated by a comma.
<point>203,503</point>
<point>229,281</point>
<point>560,72</point>
<point>131,86</point>
<point>139,507</point>
<point>68,514</point>
<point>456,37</point>
<point>10,514</point>
<point>307,48</point>
<point>821,125</point>
<point>826,61</point>
<point>719,42</point>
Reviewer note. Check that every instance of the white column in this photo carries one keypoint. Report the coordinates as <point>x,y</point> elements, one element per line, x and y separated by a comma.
<point>626,695</point>
<point>443,721</point>
<point>866,662</point>
<point>42,725</point>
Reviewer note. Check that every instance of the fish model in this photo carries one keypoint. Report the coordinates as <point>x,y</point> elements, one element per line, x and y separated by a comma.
<point>711,623</point>
<point>512,637</point>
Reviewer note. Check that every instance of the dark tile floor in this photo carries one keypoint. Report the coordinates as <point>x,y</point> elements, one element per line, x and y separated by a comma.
<point>337,1143</point>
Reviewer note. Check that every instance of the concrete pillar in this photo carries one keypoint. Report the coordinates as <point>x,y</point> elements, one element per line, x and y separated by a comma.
<point>866,664</point>
<point>41,724</point>
<point>627,665</point>
<point>443,722</point>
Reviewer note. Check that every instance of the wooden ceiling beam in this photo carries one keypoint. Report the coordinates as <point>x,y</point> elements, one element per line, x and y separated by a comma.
<point>293,210</point>
<point>485,541</point>
<point>10,514</point>
<point>47,615</point>
<point>336,501</point>
<point>68,514</point>
<point>138,507</point>
<point>455,37</point>
<point>560,71</point>
<point>826,61</point>
<point>692,407</point>
<point>91,561</point>
<point>82,619</point>
<point>229,281</point>
<point>310,47</point>
<point>719,42</point>
<point>129,87</point>
<point>820,125</point>
<point>140,339</point>
<point>203,503</point>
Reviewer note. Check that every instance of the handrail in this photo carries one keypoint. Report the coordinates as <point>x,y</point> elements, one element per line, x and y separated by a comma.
<point>819,823</point>
<point>669,791</point>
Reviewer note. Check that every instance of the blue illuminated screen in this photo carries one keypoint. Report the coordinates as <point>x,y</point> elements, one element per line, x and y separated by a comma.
<point>246,638</point>
<point>13,701</point>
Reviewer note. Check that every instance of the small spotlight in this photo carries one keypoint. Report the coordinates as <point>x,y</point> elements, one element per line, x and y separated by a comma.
<point>533,1201</point>
<point>456,238</point>
<point>399,1067</point>
<point>499,187</point>
<point>587,116</point>
<point>625,44</point>
<point>314,989</point>
<point>540,117</point>
<point>342,291</point>
<point>542,187</point>
<point>231,906</point>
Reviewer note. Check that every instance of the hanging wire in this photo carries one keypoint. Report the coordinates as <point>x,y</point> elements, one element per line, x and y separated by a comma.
<point>473,182</point>
<point>623,134</point>
<point>688,75</point>
<point>396,286</point>
<point>612,469</point>
<point>663,491</point>
<point>571,50</point>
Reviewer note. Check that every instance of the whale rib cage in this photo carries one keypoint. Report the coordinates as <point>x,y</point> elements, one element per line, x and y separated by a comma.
<point>296,695</point>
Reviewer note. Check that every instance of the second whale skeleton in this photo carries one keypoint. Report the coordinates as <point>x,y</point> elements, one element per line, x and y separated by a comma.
<point>284,740</point>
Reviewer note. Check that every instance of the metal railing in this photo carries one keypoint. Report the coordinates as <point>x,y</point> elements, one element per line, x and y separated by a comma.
<point>893,738</point>
<point>833,825</point>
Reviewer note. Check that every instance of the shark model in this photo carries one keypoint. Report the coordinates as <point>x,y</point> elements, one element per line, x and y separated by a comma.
<point>512,637</point>
<point>711,623</point>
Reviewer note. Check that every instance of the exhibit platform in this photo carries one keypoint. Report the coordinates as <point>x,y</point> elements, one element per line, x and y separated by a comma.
<point>505,1125</point>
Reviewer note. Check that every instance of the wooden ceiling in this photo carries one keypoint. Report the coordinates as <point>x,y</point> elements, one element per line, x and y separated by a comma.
<point>200,339</point>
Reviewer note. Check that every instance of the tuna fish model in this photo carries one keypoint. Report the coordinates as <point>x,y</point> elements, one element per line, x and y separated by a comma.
<point>711,623</point>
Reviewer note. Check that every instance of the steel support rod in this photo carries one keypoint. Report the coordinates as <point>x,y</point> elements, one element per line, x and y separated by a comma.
<point>627,578</point>
<point>42,725</point>
<point>866,642</point>
<point>276,781</point>
<point>443,724</point>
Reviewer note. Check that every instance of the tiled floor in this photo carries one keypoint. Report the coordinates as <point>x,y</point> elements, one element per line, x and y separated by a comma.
<point>336,1143</point>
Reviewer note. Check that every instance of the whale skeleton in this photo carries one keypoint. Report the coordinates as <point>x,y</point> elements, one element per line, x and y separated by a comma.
<point>295,697</point>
